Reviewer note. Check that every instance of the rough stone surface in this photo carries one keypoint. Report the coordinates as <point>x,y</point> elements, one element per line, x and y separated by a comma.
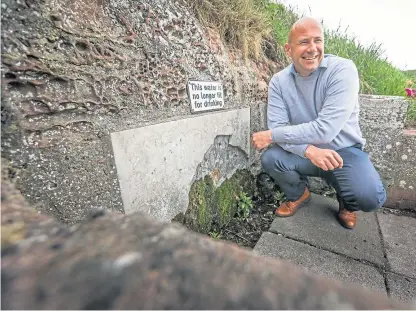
<point>402,288</point>
<point>400,242</point>
<point>157,164</point>
<point>133,262</point>
<point>320,262</point>
<point>73,73</point>
<point>402,194</point>
<point>382,121</point>
<point>316,224</point>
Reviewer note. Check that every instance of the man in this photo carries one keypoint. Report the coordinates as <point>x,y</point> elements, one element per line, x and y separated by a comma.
<point>313,128</point>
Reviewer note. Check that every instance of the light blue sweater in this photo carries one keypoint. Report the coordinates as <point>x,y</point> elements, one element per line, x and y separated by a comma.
<point>320,110</point>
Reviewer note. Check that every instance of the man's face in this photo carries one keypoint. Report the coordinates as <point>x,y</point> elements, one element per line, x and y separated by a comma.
<point>306,47</point>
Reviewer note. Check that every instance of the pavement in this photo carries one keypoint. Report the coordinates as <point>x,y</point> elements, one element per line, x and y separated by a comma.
<point>379,254</point>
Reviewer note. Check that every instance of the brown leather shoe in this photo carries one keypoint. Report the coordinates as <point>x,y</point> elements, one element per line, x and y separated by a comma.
<point>289,208</point>
<point>346,218</point>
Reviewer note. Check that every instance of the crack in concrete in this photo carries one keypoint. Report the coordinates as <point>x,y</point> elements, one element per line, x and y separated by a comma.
<point>381,269</point>
<point>369,263</point>
<point>386,261</point>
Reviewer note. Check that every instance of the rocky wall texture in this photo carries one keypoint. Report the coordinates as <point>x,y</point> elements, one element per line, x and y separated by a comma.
<point>402,193</point>
<point>382,120</point>
<point>133,262</point>
<point>74,72</point>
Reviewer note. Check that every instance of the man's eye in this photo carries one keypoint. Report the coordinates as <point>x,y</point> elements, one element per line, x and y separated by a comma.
<point>318,40</point>
<point>304,42</point>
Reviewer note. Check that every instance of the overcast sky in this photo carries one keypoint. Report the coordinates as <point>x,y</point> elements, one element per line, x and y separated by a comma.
<point>389,22</point>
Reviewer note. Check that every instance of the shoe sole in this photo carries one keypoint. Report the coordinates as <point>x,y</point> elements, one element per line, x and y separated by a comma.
<point>300,205</point>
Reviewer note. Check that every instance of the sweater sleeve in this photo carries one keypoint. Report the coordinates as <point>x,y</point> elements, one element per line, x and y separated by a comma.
<point>278,115</point>
<point>341,98</point>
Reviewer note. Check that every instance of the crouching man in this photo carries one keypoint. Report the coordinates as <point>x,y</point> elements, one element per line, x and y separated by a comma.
<point>314,128</point>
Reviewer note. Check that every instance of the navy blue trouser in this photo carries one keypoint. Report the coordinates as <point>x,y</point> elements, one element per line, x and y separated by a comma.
<point>357,183</point>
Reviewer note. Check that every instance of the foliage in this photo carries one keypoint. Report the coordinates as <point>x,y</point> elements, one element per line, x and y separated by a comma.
<point>411,113</point>
<point>250,25</point>
<point>279,196</point>
<point>377,74</point>
<point>215,235</point>
<point>241,23</point>
<point>245,205</point>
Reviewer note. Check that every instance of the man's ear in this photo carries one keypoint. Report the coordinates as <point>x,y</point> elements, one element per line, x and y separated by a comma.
<point>288,50</point>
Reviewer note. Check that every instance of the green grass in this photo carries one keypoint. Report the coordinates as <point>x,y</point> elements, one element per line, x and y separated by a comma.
<point>252,26</point>
<point>377,75</point>
<point>241,24</point>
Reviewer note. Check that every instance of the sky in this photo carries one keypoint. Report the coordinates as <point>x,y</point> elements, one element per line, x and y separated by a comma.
<point>389,22</point>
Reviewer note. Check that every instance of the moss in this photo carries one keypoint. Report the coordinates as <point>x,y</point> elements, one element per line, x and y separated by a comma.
<point>225,200</point>
<point>199,214</point>
<point>212,208</point>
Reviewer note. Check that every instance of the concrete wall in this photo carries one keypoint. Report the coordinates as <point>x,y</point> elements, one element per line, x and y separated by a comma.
<point>402,192</point>
<point>157,164</point>
<point>88,76</point>
<point>87,69</point>
<point>390,146</point>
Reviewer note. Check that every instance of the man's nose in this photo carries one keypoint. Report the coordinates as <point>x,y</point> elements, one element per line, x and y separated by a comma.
<point>312,47</point>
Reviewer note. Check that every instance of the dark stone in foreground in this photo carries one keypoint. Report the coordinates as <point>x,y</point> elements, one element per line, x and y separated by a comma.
<point>118,262</point>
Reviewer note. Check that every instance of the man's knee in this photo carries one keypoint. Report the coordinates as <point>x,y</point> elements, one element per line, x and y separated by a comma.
<point>273,159</point>
<point>371,198</point>
<point>268,160</point>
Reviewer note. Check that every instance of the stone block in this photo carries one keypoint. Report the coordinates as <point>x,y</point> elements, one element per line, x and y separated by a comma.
<point>316,224</point>
<point>402,194</point>
<point>400,242</point>
<point>157,164</point>
<point>382,121</point>
<point>320,261</point>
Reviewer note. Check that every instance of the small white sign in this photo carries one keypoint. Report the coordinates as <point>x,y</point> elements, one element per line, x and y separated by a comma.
<point>205,95</point>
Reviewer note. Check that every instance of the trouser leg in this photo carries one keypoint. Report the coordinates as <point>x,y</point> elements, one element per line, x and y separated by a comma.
<point>358,184</point>
<point>288,170</point>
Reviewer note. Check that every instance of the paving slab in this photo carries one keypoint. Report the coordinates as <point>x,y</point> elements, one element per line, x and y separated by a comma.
<point>317,225</point>
<point>399,234</point>
<point>402,288</point>
<point>320,262</point>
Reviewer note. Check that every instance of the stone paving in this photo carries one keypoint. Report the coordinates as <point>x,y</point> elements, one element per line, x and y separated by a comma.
<point>379,254</point>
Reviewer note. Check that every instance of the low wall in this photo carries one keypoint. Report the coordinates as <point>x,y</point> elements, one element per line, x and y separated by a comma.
<point>157,164</point>
<point>390,146</point>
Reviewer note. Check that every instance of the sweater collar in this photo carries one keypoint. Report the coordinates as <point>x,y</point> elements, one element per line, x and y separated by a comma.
<point>323,64</point>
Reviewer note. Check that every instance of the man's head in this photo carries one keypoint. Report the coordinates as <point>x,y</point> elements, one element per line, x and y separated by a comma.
<point>306,45</point>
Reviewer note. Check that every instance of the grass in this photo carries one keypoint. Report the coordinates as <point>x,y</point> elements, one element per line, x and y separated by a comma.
<point>251,25</point>
<point>241,24</point>
<point>377,75</point>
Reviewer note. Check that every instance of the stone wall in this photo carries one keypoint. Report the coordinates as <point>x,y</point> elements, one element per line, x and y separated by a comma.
<point>74,73</point>
<point>390,147</point>
<point>95,111</point>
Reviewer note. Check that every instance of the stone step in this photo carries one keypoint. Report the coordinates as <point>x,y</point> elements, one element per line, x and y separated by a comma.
<point>399,235</point>
<point>320,262</point>
<point>316,224</point>
<point>380,243</point>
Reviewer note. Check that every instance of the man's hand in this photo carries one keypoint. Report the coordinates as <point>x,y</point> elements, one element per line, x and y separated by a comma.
<point>261,140</point>
<point>325,159</point>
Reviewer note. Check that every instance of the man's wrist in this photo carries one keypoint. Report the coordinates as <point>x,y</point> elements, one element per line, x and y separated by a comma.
<point>270,133</point>
<point>309,150</point>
